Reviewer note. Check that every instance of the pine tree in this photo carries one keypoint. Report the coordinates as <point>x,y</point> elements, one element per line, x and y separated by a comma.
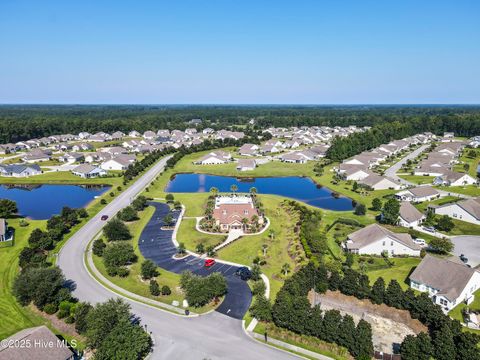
<point>394,295</point>
<point>378,291</point>
<point>443,344</point>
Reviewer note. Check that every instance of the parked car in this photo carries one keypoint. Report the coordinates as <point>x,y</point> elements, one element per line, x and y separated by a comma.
<point>463,258</point>
<point>104,217</point>
<point>429,228</point>
<point>420,242</point>
<point>209,262</point>
<point>244,273</point>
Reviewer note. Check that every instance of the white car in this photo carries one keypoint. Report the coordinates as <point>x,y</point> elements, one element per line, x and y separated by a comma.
<point>420,242</point>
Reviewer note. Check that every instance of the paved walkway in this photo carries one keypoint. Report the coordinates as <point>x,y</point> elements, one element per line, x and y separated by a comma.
<point>391,172</point>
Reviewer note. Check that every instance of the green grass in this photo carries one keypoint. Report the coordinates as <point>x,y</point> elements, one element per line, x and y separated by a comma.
<point>456,312</point>
<point>471,190</point>
<point>418,179</point>
<point>441,201</point>
<point>61,177</point>
<point>188,234</point>
<point>464,228</point>
<point>399,271</point>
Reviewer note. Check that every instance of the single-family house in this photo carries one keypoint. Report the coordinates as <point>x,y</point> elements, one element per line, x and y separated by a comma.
<point>120,162</point>
<point>409,215</point>
<point>377,240</point>
<point>37,155</point>
<point>149,135</point>
<point>246,165</point>
<point>117,135</point>
<point>447,282</point>
<point>377,182</point>
<point>452,178</point>
<point>466,210</point>
<point>353,172</point>
<point>248,149</point>
<point>20,170</point>
<point>88,171</point>
<point>134,134</point>
<point>71,157</point>
<point>418,194</point>
<point>82,147</point>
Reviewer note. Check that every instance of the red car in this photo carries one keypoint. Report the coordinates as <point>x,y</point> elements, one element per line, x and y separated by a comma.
<point>209,262</point>
<point>104,217</point>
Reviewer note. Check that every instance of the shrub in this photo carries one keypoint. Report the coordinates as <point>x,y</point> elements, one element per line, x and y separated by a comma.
<point>154,288</point>
<point>50,308</point>
<point>261,309</point>
<point>199,290</point>
<point>98,247</point>
<point>128,214</point>
<point>258,288</point>
<point>116,230</point>
<point>166,290</point>
<point>360,209</point>
<point>149,269</point>
<point>103,202</point>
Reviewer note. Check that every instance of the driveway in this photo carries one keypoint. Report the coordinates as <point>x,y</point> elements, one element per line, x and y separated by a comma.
<point>213,336</point>
<point>469,245</point>
<point>391,172</point>
<point>157,245</point>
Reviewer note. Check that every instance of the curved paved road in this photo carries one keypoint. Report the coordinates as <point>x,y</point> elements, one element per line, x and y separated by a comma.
<point>213,336</point>
<point>391,172</point>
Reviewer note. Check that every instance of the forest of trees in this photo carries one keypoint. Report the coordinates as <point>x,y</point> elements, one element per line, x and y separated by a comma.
<point>23,122</point>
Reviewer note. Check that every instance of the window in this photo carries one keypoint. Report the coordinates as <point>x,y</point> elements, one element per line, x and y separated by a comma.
<point>383,243</point>
<point>245,212</point>
<point>391,243</point>
<point>224,212</point>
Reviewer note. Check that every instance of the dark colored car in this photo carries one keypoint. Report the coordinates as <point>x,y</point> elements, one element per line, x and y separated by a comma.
<point>209,262</point>
<point>463,258</point>
<point>104,217</point>
<point>244,273</point>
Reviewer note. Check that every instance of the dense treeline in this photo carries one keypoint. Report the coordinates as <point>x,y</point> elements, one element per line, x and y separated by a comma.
<point>291,310</point>
<point>462,125</point>
<point>22,122</point>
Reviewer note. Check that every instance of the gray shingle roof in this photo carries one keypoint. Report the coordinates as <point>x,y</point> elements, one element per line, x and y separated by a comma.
<point>373,233</point>
<point>449,277</point>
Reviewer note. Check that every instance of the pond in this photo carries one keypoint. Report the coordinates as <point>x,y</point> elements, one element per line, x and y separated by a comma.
<point>40,202</point>
<point>295,187</point>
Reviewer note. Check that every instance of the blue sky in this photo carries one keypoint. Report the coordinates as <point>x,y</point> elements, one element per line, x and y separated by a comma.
<point>240,52</point>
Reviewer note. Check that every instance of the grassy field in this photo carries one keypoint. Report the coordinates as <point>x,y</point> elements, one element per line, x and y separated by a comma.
<point>399,271</point>
<point>62,177</point>
<point>418,179</point>
<point>471,190</point>
<point>188,234</point>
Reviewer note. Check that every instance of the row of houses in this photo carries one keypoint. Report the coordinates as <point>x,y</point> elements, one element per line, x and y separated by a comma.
<point>314,134</point>
<point>440,162</point>
<point>359,168</point>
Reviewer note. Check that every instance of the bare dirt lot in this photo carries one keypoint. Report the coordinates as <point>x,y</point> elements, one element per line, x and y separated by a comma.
<point>389,325</point>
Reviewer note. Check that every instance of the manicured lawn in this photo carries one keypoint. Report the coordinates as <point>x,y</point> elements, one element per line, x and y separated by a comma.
<point>399,271</point>
<point>464,228</point>
<point>61,177</point>
<point>188,234</point>
<point>472,162</point>
<point>283,248</point>
<point>444,200</point>
<point>418,179</point>
<point>471,190</point>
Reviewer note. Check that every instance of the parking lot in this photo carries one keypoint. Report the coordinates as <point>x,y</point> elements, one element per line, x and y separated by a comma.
<point>157,245</point>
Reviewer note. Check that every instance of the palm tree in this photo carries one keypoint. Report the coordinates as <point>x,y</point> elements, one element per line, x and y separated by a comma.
<point>233,188</point>
<point>271,234</point>
<point>253,191</point>
<point>181,249</point>
<point>285,269</point>
<point>264,248</point>
<point>245,222</point>
<point>214,191</point>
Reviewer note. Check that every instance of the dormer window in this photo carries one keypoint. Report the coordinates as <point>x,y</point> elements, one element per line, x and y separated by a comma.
<point>245,212</point>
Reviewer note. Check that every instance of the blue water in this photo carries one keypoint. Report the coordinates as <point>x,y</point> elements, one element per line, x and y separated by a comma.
<point>40,202</point>
<point>298,188</point>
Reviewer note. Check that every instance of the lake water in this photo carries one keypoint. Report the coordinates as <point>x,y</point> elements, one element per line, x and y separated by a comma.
<point>40,202</point>
<point>295,187</point>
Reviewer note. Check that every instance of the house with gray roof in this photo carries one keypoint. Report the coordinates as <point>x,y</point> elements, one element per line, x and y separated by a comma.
<point>20,170</point>
<point>466,210</point>
<point>447,282</point>
<point>88,171</point>
<point>418,194</point>
<point>377,240</point>
<point>409,215</point>
<point>39,343</point>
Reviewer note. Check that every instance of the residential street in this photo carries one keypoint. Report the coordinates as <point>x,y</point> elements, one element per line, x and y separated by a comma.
<point>468,245</point>
<point>391,172</point>
<point>213,336</point>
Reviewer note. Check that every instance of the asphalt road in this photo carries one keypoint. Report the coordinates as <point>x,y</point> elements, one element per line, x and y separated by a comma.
<point>468,245</point>
<point>156,245</point>
<point>391,172</point>
<point>213,336</point>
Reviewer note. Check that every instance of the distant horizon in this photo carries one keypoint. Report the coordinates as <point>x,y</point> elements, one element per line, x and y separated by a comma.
<point>243,104</point>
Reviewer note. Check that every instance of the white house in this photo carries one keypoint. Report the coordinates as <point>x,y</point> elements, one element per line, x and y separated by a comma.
<point>465,210</point>
<point>214,158</point>
<point>375,240</point>
<point>353,172</point>
<point>88,171</point>
<point>451,178</point>
<point>409,215</point>
<point>121,162</point>
<point>448,283</point>
<point>418,194</point>
<point>377,182</point>
<point>246,165</point>
<point>20,170</point>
